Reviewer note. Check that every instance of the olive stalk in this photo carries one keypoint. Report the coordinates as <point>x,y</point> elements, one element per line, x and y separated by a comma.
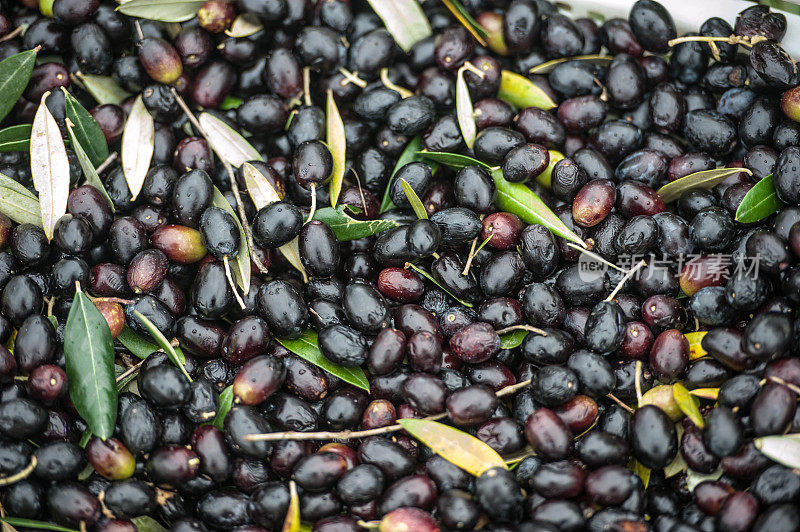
<point>620,403</point>
<point>105,164</point>
<point>351,435</point>
<point>529,328</point>
<point>22,474</point>
<point>625,279</point>
<point>402,91</point>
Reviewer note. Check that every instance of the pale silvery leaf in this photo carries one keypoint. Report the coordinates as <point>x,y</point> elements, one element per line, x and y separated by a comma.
<point>49,167</point>
<point>464,111</point>
<point>260,189</point>
<point>137,146</point>
<point>228,144</point>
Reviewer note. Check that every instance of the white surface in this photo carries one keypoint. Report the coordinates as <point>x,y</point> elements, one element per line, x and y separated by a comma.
<point>689,15</point>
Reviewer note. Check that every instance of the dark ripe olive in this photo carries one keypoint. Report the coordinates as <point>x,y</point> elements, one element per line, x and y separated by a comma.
<point>344,408</point>
<point>47,383</point>
<point>666,106</point>
<point>499,495</point>
<point>129,498</point>
<point>521,24</point>
<point>411,115</point>
<point>193,153</point>
<point>737,512</point>
<point>29,244</point>
<point>502,273</point>
<point>160,60</point>
<point>324,312</point>
<point>387,351</point>
<point>474,189</point>
<point>146,270</point>
<point>723,433</point>
<point>277,224</point>
<point>457,225</point>
<point>72,504</point>
<point>364,307</point>
<point>653,437</point>
<point>44,78</point>
<point>288,412</point>
<point>761,21</point>
<point>318,47</point>
<point>625,82</point>
<point>319,249</point>
<point>220,233</point>
<point>618,37</point>
<point>669,355</point>
<point>312,163</point>
<point>615,139</point>
<point>424,392</point>
<point>209,443</point>
<point>525,162</point>
<point>536,125</point>
<point>417,175</point>
<point>452,47</point>
<point>411,491</point>
<point>47,33</point>
<point>458,510</point>
<point>475,343</point>
<point>554,348</point>
<point>582,113</point>
<point>769,249</point>
<point>784,176</point>
<point>424,352</point>
<point>773,410</point>
<point>245,339</point>
<point>688,62</point>
<point>609,485</point>
<point>393,461</point>
<point>694,451</point>
<point>758,122</point>
<point>574,79</point>
<point>319,471</point>
<point>554,385</point>
<point>72,13</point>
<point>165,386</point>
<point>373,103</point>
<point>492,112</point>
<point>471,405</point>
<point>709,495</point>
<point>243,420</point>
<point>35,343</point>
<point>200,338</point>
<point>446,475</point>
<point>399,284</point>
<point>503,434</point>
<point>269,503</point>
<point>59,461</point>
<point>172,465</point>
<point>191,197</point>
<point>501,312</point>
<point>140,427</point>
<point>371,52</point>
<point>600,448</point>
<point>652,25</point>
<point>343,345</point>
<point>8,366</point>
<point>22,418</point>
<point>560,37</point>
<point>92,49</point>
<point>539,250</point>
<point>776,484</point>
<point>635,198</point>
<point>211,294</point>
<point>548,435</point>
<point>605,327</point>
<point>21,298</point>
<point>781,516</point>
<point>767,335</point>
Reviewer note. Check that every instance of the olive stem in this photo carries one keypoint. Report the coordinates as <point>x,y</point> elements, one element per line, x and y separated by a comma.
<point>313,202</point>
<point>778,380</point>
<point>352,77</point>
<point>227,264</point>
<point>351,435</point>
<point>22,474</point>
<point>119,300</point>
<point>307,86</point>
<point>545,67</point>
<point>50,303</point>
<point>637,381</point>
<point>130,371</point>
<point>472,68</point>
<point>595,256</point>
<point>138,29</point>
<point>12,34</point>
<point>625,279</point>
<point>620,403</point>
<point>470,256</point>
<point>105,164</point>
<point>530,328</point>
<point>372,525</point>
<point>733,39</point>
<point>402,91</point>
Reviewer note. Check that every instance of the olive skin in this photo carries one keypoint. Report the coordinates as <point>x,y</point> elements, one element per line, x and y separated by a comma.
<point>191,196</point>
<point>653,438</point>
<point>283,308</point>
<point>319,249</point>
<point>343,345</point>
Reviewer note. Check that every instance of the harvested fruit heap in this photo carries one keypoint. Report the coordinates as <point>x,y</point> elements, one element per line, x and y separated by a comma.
<point>337,265</point>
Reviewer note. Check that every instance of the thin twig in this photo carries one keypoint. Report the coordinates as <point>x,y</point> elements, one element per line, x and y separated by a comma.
<point>530,328</point>
<point>138,29</point>
<point>351,77</point>
<point>402,91</point>
<point>109,160</point>
<point>620,403</point>
<point>130,371</point>
<point>733,39</point>
<point>782,382</point>
<point>307,86</point>
<point>470,256</point>
<point>637,381</point>
<point>22,474</point>
<point>227,263</point>
<point>351,434</point>
<point>595,256</point>
<point>10,35</point>
<point>625,279</point>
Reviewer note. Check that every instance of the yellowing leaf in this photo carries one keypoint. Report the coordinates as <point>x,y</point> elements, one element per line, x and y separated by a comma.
<point>138,145</point>
<point>49,167</point>
<point>695,346</point>
<point>662,397</point>
<point>521,92</point>
<point>706,393</point>
<point>336,145</point>
<point>260,189</point>
<point>642,472</point>
<point>292,521</point>
<point>455,446</point>
<point>688,404</point>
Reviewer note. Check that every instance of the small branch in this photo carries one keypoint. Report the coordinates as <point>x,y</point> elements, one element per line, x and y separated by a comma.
<point>119,300</point>
<point>130,371</point>
<point>227,263</point>
<point>109,160</point>
<point>595,256</point>
<point>470,256</point>
<point>10,35</point>
<point>472,68</point>
<point>307,86</point>
<point>402,91</point>
<point>351,435</point>
<point>22,474</point>
<point>351,77</point>
<point>782,382</point>
<point>638,382</point>
<point>625,279</point>
<point>620,403</point>
<point>733,39</point>
<point>530,328</point>
<point>138,29</point>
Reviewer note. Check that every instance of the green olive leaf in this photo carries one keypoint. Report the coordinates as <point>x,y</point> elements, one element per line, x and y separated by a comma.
<point>346,228</point>
<point>87,167</point>
<point>241,264</point>
<point>225,403</point>
<point>89,354</point>
<point>34,525</point>
<point>20,206</point>
<point>783,449</point>
<point>49,167</point>
<point>231,102</point>
<point>463,16</point>
<point>335,139</point>
<point>451,160</point>
<point>404,19</point>
<point>759,202</point>
<point>138,146</point>
<point>413,199</point>
<point>521,92</point>
<point>15,138</point>
<point>162,341</point>
<point>518,199</point>
<point>15,72</point>
<point>410,155</point>
<point>226,142</point>
<point>513,339</point>
<point>103,88</point>
<point>688,404</point>
<point>140,347</point>
<point>457,447</point>
<point>306,347</point>
<point>146,523</point>
<point>433,279</point>
<point>464,110</point>
<point>707,179</point>
<point>548,66</point>
<point>86,130</point>
<point>162,10</point>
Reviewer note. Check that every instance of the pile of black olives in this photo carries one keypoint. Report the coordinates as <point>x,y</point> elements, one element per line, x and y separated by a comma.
<point>641,394</point>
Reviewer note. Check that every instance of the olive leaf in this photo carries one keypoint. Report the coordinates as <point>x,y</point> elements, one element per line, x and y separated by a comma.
<point>688,404</point>
<point>225,403</point>
<point>547,66</point>
<point>244,25</point>
<point>89,355</point>
<point>706,393</point>
<point>86,130</point>
<point>404,19</point>
<point>413,199</point>
<point>707,179</point>
<point>140,347</point>
<point>410,155</point>
<point>335,138</point>
<point>784,449</point>
<point>138,145</point>
<point>162,341</point>
<point>226,142</point>
<point>457,447</point>
<point>162,10</point>
<point>642,471</point>
<point>695,340</point>
<point>518,199</point>
<point>662,397</point>
<point>49,167</point>
<point>451,160</point>
<point>291,523</point>
<point>34,525</point>
<point>15,72</point>
<point>89,171</point>
<point>242,261</point>
<point>693,478</point>
<point>18,203</point>
<point>521,92</point>
<point>759,202</point>
<point>103,88</point>
<point>145,523</point>
<point>464,111</point>
<point>546,176</point>
<point>306,347</point>
<point>463,16</point>
<point>432,279</point>
<point>513,339</point>
<point>230,102</point>
<point>260,189</point>
<point>291,252</point>
<point>346,228</point>
<point>15,138</point>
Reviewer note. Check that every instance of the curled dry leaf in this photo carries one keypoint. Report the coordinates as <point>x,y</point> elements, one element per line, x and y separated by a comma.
<point>49,167</point>
<point>226,142</point>
<point>335,137</point>
<point>244,25</point>
<point>137,146</point>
